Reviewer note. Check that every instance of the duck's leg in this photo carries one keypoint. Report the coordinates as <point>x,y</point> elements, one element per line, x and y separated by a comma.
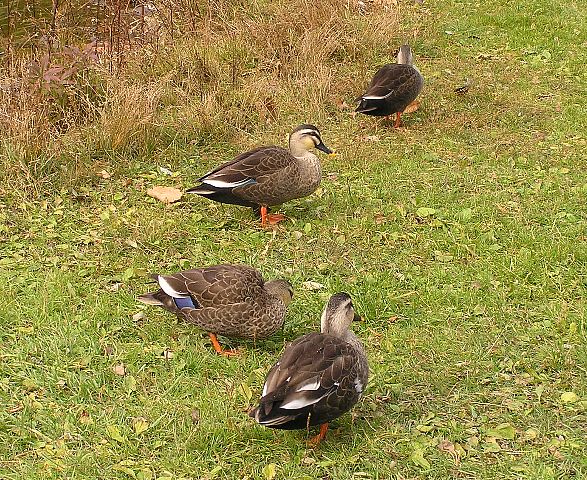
<point>315,441</point>
<point>398,117</point>
<point>218,347</point>
<point>270,218</point>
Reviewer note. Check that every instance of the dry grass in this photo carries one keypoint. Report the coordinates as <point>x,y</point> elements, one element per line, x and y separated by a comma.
<point>226,68</point>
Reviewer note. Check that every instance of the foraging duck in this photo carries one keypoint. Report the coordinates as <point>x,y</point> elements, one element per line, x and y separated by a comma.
<point>393,88</point>
<point>230,300</point>
<point>319,377</point>
<point>268,176</point>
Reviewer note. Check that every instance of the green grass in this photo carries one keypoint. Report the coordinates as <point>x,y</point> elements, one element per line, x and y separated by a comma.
<point>461,239</point>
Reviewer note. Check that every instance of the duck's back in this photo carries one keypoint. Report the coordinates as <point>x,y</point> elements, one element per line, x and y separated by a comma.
<point>391,90</point>
<point>317,379</point>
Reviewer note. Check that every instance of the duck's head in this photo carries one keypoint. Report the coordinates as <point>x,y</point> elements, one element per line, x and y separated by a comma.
<point>281,289</point>
<point>404,55</point>
<point>304,138</point>
<point>338,315</point>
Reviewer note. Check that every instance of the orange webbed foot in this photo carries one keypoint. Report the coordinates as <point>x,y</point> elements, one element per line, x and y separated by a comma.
<point>315,441</point>
<point>275,218</point>
<point>218,348</point>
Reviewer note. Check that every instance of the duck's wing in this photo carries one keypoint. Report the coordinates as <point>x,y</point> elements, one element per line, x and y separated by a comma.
<point>248,168</point>
<point>213,286</point>
<point>389,80</point>
<point>310,369</point>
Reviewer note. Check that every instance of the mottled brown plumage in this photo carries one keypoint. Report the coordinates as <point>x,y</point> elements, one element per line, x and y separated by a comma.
<point>319,376</point>
<point>268,176</point>
<point>230,300</point>
<point>393,87</point>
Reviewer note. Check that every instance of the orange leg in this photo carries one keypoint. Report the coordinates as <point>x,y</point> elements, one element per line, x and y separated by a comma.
<point>263,215</point>
<point>218,347</point>
<point>398,117</point>
<point>315,441</point>
<point>270,218</point>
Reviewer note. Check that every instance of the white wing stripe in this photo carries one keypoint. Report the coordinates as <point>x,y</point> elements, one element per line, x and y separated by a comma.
<point>168,289</point>
<point>300,403</point>
<point>314,385</point>
<point>223,184</point>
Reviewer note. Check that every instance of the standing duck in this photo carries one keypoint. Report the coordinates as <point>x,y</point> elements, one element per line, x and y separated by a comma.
<point>268,176</point>
<point>229,300</point>
<point>319,377</point>
<point>393,88</point>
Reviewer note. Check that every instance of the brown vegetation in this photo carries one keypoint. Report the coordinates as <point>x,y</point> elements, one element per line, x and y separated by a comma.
<point>116,77</point>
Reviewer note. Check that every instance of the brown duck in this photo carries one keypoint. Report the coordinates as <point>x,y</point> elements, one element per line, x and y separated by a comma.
<point>393,88</point>
<point>268,176</point>
<point>229,300</point>
<point>319,377</point>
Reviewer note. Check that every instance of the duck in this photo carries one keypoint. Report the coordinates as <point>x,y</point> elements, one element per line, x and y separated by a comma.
<point>228,300</point>
<point>393,88</point>
<point>268,176</point>
<point>319,376</point>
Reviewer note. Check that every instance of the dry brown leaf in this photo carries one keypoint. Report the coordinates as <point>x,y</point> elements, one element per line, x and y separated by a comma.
<point>371,138</point>
<point>412,107</point>
<point>165,194</point>
<point>379,218</point>
<point>103,174</point>
<point>15,409</point>
<point>119,369</point>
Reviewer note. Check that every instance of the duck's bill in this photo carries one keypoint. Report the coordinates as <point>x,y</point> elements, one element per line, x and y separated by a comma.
<point>357,318</point>
<point>323,148</point>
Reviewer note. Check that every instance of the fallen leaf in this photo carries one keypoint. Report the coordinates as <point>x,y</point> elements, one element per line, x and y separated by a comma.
<point>423,212</point>
<point>269,471</point>
<point>15,409</point>
<point>503,430</point>
<point>140,425</point>
<point>119,369</point>
<point>412,107</point>
<point>371,138</point>
<point>114,433</point>
<point>341,104</point>
<point>103,174</point>
<point>417,457</point>
<point>555,453</point>
<point>114,287</point>
<point>165,171</point>
<point>165,194</point>
<point>310,285</point>
<point>85,418</point>
<point>569,397</point>
<point>531,434</point>
<point>393,319</point>
<point>137,317</point>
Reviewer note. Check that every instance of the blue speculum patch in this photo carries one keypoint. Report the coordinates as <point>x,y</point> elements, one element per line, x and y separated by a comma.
<point>184,302</point>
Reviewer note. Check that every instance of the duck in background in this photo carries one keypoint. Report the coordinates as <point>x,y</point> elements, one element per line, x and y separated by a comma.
<point>393,88</point>
<point>268,176</point>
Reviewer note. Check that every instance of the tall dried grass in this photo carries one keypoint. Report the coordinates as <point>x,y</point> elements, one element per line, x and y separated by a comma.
<point>197,68</point>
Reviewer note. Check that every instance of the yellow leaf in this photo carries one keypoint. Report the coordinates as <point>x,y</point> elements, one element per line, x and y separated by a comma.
<point>569,397</point>
<point>114,433</point>
<point>269,471</point>
<point>140,425</point>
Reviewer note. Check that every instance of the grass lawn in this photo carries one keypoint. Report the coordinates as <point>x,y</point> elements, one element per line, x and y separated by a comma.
<point>462,239</point>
